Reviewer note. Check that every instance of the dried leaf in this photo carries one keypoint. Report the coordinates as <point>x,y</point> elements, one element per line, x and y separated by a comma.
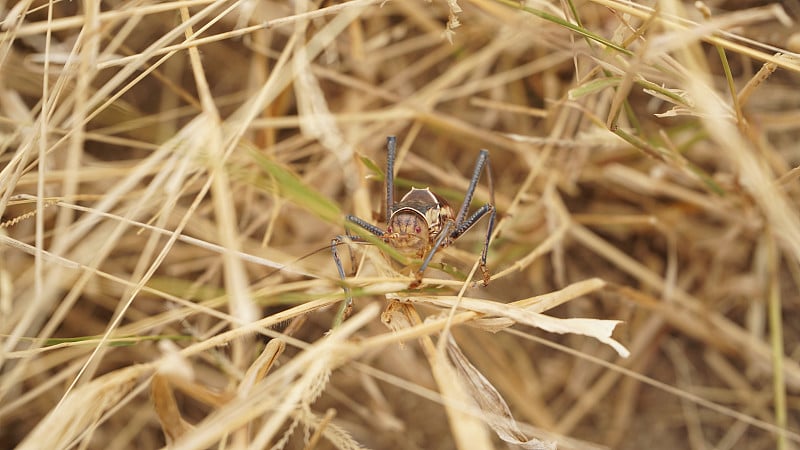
<point>496,412</point>
<point>464,425</point>
<point>258,370</point>
<point>596,328</point>
<point>166,408</point>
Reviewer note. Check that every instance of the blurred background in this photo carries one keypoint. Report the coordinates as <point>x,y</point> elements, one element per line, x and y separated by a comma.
<point>173,171</point>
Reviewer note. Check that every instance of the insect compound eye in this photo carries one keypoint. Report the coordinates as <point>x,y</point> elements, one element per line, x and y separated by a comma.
<point>418,229</point>
<point>389,229</point>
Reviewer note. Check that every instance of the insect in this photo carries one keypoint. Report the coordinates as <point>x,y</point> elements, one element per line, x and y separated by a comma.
<point>422,222</point>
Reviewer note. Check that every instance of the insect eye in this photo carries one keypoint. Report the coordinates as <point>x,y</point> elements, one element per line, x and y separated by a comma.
<point>417,229</point>
<point>389,229</point>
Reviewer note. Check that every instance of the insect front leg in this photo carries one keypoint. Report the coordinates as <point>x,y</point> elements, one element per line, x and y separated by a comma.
<point>441,241</point>
<point>347,306</point>
<point>391,145</point>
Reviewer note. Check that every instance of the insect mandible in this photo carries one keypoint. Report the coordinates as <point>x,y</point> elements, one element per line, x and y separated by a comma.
<point>422,222</point>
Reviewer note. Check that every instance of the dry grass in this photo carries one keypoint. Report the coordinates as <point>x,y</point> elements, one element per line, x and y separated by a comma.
<point>645,169</point>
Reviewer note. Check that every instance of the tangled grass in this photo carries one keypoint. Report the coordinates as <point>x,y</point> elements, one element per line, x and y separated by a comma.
<point>170,171</point>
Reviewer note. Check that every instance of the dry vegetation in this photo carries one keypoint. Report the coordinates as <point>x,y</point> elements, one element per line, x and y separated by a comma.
<point>159,161</point>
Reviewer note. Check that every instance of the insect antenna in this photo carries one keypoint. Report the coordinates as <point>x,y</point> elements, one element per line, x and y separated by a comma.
<point>275,308</point>
<point>300,271</point>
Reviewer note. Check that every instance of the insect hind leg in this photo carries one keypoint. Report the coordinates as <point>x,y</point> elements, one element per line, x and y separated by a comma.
<point>488,208</point>
<point>480,163</point>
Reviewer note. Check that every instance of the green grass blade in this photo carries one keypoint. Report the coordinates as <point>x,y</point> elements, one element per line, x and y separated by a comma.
<point>557,20</point>
<point>285,183</point>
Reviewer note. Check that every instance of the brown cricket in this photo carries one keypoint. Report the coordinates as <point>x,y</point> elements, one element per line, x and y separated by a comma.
<point>422,222</point>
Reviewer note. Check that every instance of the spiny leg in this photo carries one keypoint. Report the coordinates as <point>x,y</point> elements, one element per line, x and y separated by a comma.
<point>347,306</point>
<point>472,220</point>
<point>440,241</point>
<point>483,160</point>
<point>341,238</point>
<point>365,225</point>
<point>463,224</point>
<point>391,145</point>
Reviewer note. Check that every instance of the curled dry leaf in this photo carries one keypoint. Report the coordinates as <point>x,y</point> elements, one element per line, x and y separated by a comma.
<point>596,328</point>
<point>495,410</point>
<point>258,370</point>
